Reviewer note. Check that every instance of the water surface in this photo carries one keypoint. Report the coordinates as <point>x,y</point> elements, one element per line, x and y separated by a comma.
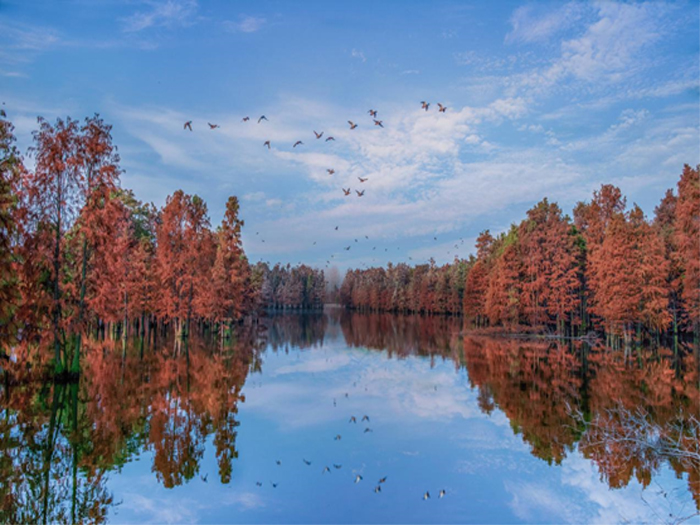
<point>186,435</point>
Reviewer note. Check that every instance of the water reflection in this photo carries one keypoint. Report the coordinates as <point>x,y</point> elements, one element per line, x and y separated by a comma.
<point>65,449</point>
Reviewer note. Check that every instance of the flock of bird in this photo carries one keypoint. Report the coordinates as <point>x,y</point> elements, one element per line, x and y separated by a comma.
<point>319,135</point>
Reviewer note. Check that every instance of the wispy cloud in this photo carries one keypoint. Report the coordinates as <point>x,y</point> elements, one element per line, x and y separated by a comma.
<point>246,24</point>
<point>358,54</point>
<point>162,13</point>
<point>533,24</point>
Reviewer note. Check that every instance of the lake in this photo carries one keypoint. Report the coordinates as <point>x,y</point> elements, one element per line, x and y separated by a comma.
<point>299,418</point>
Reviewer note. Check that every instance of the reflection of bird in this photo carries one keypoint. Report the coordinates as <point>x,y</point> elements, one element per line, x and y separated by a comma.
<point>426,495</point>
<point>245,119</point>
<point>205,478</point>
<point>360,193</point>
<point>378,123</point>
<point>307,462</point>
<point>188,125</point>
<point>258,483</point>
<point>358,478</point>
<point>330,171</point>
<point>318,135</point>
<point>330,138</point>
<point>365,418</point>
<point>212,126</point>
<point>353,419</point>
<point>267,143</point>
<point>297,143</point>
<point>383,480</point>
<point>442,493</point>
<point>346,192</point>
<point>262,117</point>
<point>441,108</point>
<point>352,124</point>
<point>378,489</point>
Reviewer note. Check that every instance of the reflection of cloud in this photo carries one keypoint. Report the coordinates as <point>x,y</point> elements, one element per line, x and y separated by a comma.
<point>161,510</point>
<point>314,365</point>
<point>245,500</point>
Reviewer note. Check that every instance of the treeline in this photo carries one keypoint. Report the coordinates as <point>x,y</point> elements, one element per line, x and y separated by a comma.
<point>609,269</point>
<point>291,287</point>
<point>80,255</point>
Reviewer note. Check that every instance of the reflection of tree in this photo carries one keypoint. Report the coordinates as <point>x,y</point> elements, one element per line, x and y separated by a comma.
<point>58,442</point>
<point>300,330</point>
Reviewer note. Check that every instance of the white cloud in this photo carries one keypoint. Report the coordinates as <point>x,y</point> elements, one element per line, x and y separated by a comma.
<point>531,26</point>
<point>358,54</point>
<point>163,13</point>
<point>246,24</point>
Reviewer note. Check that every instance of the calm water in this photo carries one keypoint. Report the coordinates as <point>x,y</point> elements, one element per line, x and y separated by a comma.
<point>187,436</point>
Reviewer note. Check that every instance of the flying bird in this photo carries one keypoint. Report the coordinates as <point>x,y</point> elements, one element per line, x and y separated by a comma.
<point>330,138</point>
<point>258,483</point>
<point>377,489</point>
<point>338,437</point>
<point>425,105</point>
<point>307,462</point>
<point>441,108</point>
<point>279,462</point>
<point>262,117</point>
<point>426,495</point>
<point>267,143</point>
<point>213,126</point>
<point>274,485</point>
<point>245,119</point>
<point>336,228</point>
<point>372,112</point>
<point>358,478</point>
<point>297,143</point>
<point>318,135</point>
<point>188,125</point>
<point>360,193</point>
<point>330,171</point>
<point>365,418</point>
<point>353,419</point>
<point>383,480</point>
<point>346,192</point>
<point>442,493</point>
<point>378,123</point>
<point>325,469</point>
<point>367,430</point>
<point>347,248</point>
<point>352,124</point>
<point>337,466</point>
<point>361,179</point>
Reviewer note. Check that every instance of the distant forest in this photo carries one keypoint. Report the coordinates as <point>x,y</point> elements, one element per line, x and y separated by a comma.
<point>609,269</point>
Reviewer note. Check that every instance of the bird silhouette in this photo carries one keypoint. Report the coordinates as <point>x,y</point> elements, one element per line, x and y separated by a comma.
<point>267,143</point>
<point>337,466</point>
<point>346,192</point>
<point>358,478</point>
<point>258,483</point>
<point>378,489</point>
<point>307,462</point>
<point>360,193</point>
<point>336,228</point>
<point>338,437</point>
<point>279,462</point>
<point>325,469</point>
<point>353,419</point>
<point>188,125</point>
<point>426,495</point>
<point>368,430</point>
<point>442,494</point>
<point>441,108</point>
<point>318,135</point>
<point>362,180</point>
<point>274,485</point>
<point>378,123</point>
<point>365,418</point>
<point>297,143</point>
<point>245,119</point>
<point>347,248</point>
<point>372,113</point>
<point>213,126</point>
<point>383,480</point>
<point>352,124</point>
<point>425,105</point>
<point>330,171</point>
<point>205,478</point>
<point>330,138</point>
<point>262,117</point>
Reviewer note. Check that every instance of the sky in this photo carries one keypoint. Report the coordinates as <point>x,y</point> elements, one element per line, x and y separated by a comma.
<point>543,100</point>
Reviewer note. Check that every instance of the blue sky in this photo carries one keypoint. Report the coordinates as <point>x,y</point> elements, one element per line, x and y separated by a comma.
<point>544,99</point>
